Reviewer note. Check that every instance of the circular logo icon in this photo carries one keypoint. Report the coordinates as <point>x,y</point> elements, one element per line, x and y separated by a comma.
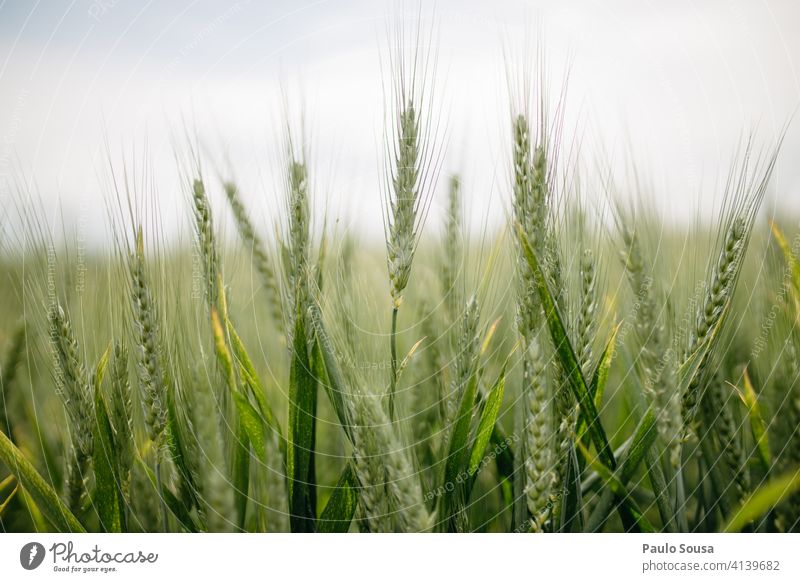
<point>31,555</point>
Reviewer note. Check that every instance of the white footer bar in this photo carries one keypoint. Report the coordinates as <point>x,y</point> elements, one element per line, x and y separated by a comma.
<point>354,557</point>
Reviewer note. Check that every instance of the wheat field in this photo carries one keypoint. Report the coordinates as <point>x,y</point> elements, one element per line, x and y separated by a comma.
<point>564,373</point>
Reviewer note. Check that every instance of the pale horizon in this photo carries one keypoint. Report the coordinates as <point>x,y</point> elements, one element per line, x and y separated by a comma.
<point>671,94</point>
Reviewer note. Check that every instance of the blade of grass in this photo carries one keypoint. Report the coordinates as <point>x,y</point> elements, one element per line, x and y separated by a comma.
<point>339,511</point>
<point>334,384</point>
<point>571,514</point>
<point>300,457</point>
<point>240,462</point>
<point>252,424</point>
<point>757,424</point>
<point>177,447</point>
<point>600,376</point>
<point>791,261</point>
<point>617,481</point>
<point>173,503</point>
<point>710,456</point>
<point>248,373</point>
<point>8,499</point>
<point>660,489</point>
<point>504,460</point>
<point>606,503</point>
<point>107,498</point>
<point>7,481</point>
<point>487,422</point>
<point>457,462</point>
<point>42,494</point>
<point>762,500</point>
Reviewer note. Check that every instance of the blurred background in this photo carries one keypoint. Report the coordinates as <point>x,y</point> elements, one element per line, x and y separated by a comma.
<point>667,88</point>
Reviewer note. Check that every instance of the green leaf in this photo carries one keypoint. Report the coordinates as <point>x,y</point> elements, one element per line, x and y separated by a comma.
<point>791,260</point>
<point>643,439</point>
<point>341,506</point>
<point>176,430</point>
<point>11,495</point>
<point>763,500</point>
<point>40,491</point>
<point>617,481</point>
<point>505,456</point>
<point>457,462</point>
<point>660,489</point>
<point>248,373</point>
<point>177,508</point>
<point>757,424</point>
<point>334,386</point>
<point>252,424</point>
<point>300,453</point>
<point>606,503</point>
<point>240,463</point>
<point>107,499</point>
<point>487,422</point>
<point>566,355</point>
<point>240,470</point>
<point>698,360</point>
<point>571,514</point>
<point>600,377</point>
<point>221,348</point>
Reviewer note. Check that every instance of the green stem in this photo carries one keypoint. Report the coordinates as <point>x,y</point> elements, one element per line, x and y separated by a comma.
<point>393,347</point>
<point>164,516</point>
<point>660,489</point>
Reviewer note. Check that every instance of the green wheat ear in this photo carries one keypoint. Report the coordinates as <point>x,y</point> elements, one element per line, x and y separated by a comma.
<point>299,239</point>
<point>404,222</point>
<point>411,168</point>
<point>452,250</point>
<point>204,231</point>
<point>76,393</point>
<point>73,383</point>
<point>122,412</point>
<point>530,203</point>
<point>149,353</point>
<point>718,297</point>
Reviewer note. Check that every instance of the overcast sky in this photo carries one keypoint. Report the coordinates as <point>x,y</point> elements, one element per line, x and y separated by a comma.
<point>670,86</point>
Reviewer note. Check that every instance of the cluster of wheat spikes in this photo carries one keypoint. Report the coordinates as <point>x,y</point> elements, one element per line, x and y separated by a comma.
<point>548,388</point>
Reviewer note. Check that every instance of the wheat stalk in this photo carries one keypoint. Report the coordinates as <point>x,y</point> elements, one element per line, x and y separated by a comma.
<point>371,474</point>
<point>401,479</point>
<point>149,354</point>
<point>74,387</point>
<point>466,358</point>
<point>122,412</point>
<point>587,313</point>
<point>75,391</point>
<point>656,354</point>
<point>411,170</point>
<point>299,230</point>
<point>152,380</point>
<point>717,297</point>
<point>204,231</point>
<point>260,257</point>
<point>452,250</point>
<point>530,198</point>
